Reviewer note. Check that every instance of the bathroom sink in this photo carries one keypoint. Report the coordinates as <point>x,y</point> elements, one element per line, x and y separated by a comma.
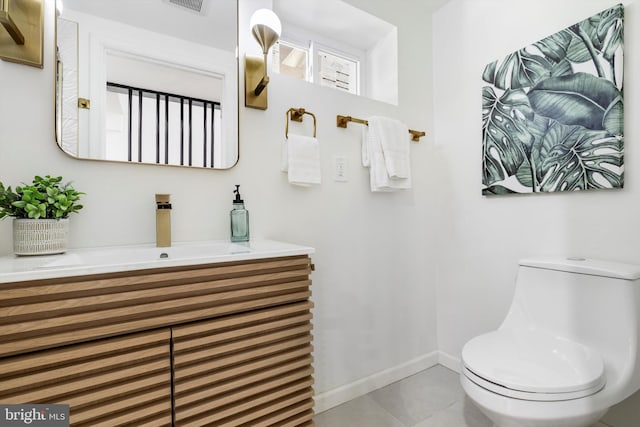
<point>145,254</point>
<point>137,257</point>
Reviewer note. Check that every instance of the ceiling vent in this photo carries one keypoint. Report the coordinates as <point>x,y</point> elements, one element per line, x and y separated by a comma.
<point>197,6</point>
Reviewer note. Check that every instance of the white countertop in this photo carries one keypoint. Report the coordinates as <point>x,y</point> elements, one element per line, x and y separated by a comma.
<point>78,262</point>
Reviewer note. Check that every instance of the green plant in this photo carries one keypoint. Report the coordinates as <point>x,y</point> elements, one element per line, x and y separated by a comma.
<point>45,198</point>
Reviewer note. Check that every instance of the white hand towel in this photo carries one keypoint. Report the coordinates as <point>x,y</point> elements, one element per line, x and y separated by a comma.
<point>301,160</point>
<point>394,139</point>
<point>373,157</point>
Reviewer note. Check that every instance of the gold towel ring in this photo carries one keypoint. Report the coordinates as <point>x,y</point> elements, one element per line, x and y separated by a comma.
<point>296,115</point>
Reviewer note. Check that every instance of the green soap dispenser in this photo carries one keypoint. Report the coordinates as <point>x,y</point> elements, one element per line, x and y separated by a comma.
<point>239,219</point>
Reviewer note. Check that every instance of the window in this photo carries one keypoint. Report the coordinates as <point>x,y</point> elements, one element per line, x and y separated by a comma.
<point>334,44</point>
<point>338,72</point>
<point>292,60</point>
<point>333,69</point>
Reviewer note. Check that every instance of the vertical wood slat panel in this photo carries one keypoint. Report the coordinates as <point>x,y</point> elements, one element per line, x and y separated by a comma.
<point>255,363</point>
<point>108,382</point>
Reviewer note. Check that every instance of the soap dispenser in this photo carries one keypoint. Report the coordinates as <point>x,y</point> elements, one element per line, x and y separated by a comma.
<point>239,219</point>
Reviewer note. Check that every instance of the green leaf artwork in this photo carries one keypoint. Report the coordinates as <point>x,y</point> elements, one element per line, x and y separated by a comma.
<point>553,112</point>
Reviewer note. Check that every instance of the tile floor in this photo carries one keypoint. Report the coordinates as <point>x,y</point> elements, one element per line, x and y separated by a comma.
<point>431,398</point>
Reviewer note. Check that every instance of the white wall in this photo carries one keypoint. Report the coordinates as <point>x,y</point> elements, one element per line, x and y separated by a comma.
<point>375,303</point>
<point>481,238</point>
<point>375,300</point>
<point>381,79</point>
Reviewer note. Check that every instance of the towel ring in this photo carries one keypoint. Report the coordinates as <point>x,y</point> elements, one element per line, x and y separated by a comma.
<point>296,115</point>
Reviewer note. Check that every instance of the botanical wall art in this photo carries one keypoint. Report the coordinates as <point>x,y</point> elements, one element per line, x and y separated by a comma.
<point>552,112</point>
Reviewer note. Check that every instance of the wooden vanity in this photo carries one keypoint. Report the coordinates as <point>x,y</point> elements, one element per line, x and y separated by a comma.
<point>201,343</point>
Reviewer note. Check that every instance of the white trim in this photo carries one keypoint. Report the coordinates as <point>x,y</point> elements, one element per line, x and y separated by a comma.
<point>449,361</point>
<point>344,393</point>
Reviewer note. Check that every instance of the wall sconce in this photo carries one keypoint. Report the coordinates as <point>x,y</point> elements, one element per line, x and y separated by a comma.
<point>22,42</point>
<point>266,28</point>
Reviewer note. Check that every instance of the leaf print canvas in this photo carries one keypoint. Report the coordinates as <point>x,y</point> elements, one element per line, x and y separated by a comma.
<point>552,112</point>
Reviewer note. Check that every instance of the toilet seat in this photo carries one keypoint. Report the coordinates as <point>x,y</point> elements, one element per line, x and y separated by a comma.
<point>533,365</point>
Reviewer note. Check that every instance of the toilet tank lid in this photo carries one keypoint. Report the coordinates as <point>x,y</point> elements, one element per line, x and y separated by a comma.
<point>590,266</point>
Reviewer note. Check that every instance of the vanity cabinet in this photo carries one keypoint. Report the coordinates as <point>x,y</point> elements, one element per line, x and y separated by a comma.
<point>248,369</point>
<point>107,382</point>
<point>224,344</point>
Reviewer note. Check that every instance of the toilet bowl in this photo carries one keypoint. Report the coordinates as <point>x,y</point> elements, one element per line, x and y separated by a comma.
<point>567,349</point>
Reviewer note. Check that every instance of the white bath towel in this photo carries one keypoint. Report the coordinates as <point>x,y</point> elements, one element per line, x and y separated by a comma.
<point>301,160</point>
<point>388,170</point>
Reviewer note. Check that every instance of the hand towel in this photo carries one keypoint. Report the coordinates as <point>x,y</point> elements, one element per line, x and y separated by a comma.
<point>301,160</point>
<point>394,139</point>
<point>374,157</point>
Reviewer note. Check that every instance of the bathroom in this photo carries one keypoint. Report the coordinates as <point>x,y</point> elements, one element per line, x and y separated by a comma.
<point>402,279</point>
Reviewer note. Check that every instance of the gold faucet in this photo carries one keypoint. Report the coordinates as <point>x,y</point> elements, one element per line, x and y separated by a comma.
<point>163,220</point>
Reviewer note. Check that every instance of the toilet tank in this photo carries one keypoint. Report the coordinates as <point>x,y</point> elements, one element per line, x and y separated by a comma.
<point>592,302</point>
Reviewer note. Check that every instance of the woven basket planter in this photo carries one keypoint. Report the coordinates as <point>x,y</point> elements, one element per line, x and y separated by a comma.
<point>40,236</point>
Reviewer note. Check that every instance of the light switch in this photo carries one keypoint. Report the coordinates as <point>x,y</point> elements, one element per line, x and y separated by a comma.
<point>340,169</point>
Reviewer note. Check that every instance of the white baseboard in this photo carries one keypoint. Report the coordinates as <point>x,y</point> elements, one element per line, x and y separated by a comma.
<point>449,361</point>
<point>342,394</point>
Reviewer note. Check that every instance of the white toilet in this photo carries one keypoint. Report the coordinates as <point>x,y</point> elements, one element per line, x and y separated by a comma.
<point>567,350</point>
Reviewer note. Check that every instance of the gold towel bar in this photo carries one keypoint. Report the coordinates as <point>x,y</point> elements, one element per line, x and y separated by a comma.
<point>296,115</point>
<point>341,122</point>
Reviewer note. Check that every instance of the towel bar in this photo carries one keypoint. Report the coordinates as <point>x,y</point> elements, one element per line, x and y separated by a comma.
<point>341,122</point>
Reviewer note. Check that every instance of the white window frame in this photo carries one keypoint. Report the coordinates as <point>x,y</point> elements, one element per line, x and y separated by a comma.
<point>316,44</point>
<point>318,49</point>
<point>297,45</point>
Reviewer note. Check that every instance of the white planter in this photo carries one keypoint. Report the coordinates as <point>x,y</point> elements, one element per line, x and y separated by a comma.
<point>40,236</point>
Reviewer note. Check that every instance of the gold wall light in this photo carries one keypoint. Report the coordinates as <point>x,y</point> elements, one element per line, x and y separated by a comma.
<point>21,40</point>
<point>266,28</point>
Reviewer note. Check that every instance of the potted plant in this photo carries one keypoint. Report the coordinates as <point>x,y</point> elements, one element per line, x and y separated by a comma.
<point>41,212</point>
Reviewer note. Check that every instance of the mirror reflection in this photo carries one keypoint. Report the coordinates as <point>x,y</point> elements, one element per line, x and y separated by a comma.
<point>149,81</point>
